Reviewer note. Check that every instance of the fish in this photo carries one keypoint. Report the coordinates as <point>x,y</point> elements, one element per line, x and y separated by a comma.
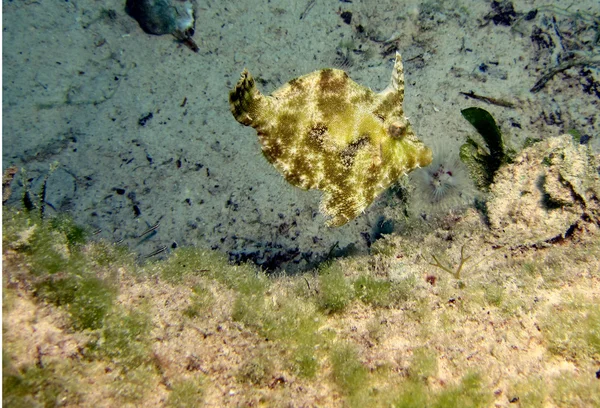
<point>149,230</point>
<point>158,251</point>
<point>324,131</point>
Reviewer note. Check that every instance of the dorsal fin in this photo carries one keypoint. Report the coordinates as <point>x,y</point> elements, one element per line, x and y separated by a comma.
<point>398,74</point>
<point>397,82</point>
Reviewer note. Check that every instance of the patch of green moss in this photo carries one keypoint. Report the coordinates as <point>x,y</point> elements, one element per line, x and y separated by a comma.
<point>50,246</point>
<point>293,322</point>
<point>470,393</point>
<point>347,370</point>
<point>421,312</point>
<point>245,279</point>
<point>185,262</point>
<point>75,234</point>
<point>296,324</point>
<point>133,384</point>
<point>373,291</point>
<point>108,255</point>
<point>34,386</point>
<point>257,370</point>
<point>188,393</point>
<point>305,362</point>
<point>93,300</point>
<point>403,288</point>
<point>549,269</point>
<point>86,298</point>
<point>48,253</point>
<point>125,339</point>
<point>423,364</point>
<point>201,300</point>
<point>493,294</point>
<point>412,394</point>
<point>530,268</point>
<point>250,310</point>
<point>530,393</point>
<point>565,390</point>
<point>514,306</point>
<point>60,271</point>
<point>335,292</point>
<point>572,330</point>
<point>30,387</point>
<point>190,262</point>
<point>376,328</point>
<point>383,293</point>
<point>576,390</point>
<point>15,223</point>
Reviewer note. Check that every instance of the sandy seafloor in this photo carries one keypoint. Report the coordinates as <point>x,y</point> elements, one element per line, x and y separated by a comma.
<point>78,76</point>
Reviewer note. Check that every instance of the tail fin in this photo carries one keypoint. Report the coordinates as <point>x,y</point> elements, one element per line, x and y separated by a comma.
<point>244,99</point>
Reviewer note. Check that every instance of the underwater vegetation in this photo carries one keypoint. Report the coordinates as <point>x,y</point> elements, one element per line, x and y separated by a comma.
<point>484,163</point>
<point>84,323</point>
<point>324,131</point>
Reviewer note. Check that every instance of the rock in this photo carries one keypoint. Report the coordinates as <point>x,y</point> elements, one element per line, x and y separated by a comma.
<point>551,189</point>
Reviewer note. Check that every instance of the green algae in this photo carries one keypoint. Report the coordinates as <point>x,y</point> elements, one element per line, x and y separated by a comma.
<point>335,292</point>
<point>187,393</point>
<point>481,162</point>
<point>347,370</point>
<point>125,339</point>
<point>61,273</point>
<point>424,364</point>
<point>372,291</point>
<point>298,321</point>
<point>572,329</point>
<point>201,300</point>
<point>25,386</point>
<point>186,263</point>
<point>86,298</point>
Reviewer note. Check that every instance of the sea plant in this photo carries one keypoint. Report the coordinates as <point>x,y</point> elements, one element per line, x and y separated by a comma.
<point>481,162</point>
<point>455,272</point>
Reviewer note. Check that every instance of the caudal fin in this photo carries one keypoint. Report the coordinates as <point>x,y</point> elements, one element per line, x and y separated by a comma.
<point>244,99</point>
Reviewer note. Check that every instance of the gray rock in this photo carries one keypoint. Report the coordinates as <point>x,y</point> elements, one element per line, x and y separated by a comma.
<point>551,189</point>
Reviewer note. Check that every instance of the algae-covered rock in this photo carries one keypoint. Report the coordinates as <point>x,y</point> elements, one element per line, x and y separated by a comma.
<point>551,188</point>
<point>324,131</point>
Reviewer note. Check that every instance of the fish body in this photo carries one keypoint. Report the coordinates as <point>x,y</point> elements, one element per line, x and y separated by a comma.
<point>324,131</point>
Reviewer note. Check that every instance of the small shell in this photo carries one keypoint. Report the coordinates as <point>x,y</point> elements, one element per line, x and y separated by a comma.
<point>161,17</point>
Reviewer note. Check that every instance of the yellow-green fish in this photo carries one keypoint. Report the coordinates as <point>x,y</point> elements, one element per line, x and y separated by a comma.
<point>324,131</point>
